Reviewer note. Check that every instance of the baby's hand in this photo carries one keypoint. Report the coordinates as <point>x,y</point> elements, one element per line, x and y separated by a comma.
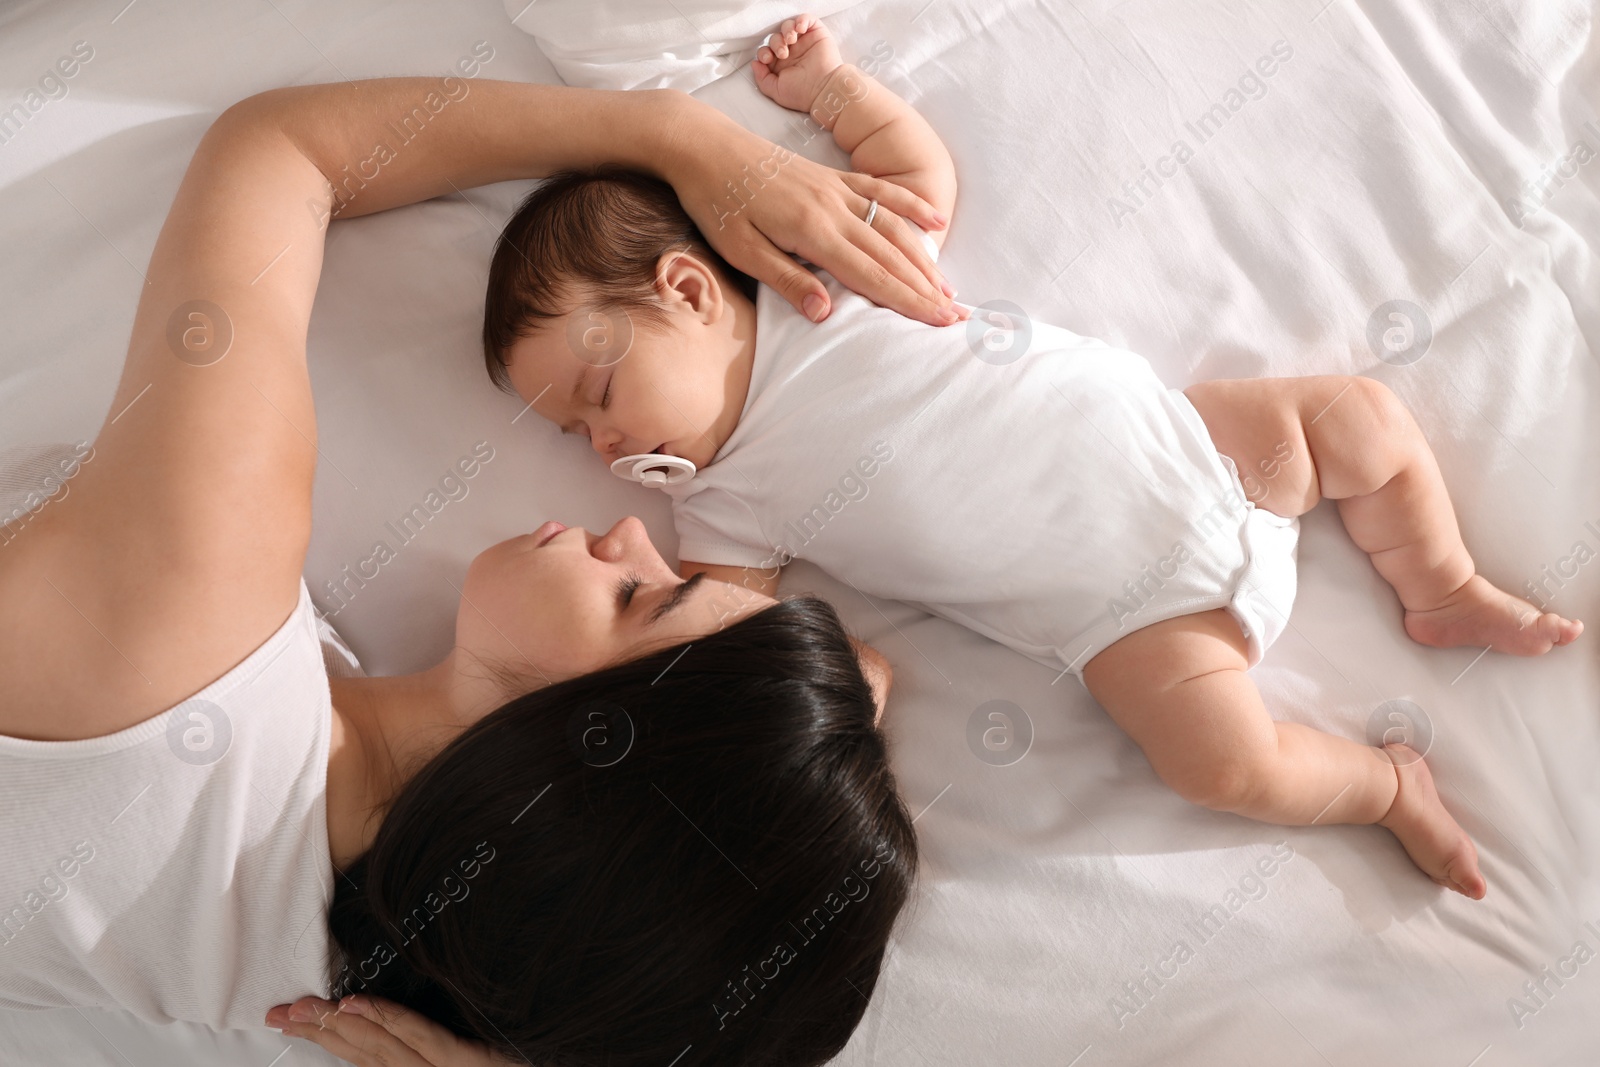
<point>795,62</point>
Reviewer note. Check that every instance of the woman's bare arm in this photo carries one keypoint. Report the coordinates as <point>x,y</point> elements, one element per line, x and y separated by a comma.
<point>181,544</point>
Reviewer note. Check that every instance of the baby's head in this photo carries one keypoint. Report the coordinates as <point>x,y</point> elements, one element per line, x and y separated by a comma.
<point>609,313</point>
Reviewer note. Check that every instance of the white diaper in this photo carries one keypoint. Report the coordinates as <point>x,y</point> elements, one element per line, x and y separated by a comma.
<point>1267,584</point>
<point>1243,558</point>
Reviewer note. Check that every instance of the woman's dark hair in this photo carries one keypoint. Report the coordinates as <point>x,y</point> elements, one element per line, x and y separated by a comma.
<point>593,235</point>
<point>698,854</point>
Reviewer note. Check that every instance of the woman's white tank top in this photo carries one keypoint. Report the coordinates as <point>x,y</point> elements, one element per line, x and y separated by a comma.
<point>179,869</point>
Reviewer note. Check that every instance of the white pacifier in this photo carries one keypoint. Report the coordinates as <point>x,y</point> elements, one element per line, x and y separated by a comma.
<point>653,470</point>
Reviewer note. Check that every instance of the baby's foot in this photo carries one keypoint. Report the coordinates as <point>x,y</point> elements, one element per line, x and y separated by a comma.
<point>1431,837</point>
<point>1480,614</point>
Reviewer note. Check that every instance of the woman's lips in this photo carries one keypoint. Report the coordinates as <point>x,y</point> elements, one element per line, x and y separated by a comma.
<point>545,532</point>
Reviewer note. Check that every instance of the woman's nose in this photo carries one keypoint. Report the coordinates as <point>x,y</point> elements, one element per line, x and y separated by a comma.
<point>627,540</point>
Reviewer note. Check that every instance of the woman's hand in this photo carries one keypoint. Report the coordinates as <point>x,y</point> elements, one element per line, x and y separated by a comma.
<point>754,201</point>
<point>373,1032</point>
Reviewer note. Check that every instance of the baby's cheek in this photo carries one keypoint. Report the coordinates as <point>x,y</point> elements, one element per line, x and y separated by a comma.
<point>678,405</point>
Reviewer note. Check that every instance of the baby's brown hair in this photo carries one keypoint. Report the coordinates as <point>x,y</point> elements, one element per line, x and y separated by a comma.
<point>594,236</point>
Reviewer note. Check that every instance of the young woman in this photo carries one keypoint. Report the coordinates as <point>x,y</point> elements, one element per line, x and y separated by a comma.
<point>187,775</point>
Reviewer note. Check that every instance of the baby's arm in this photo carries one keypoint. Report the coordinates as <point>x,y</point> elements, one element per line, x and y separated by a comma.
<point>878,673</point>
<point>799,67</point>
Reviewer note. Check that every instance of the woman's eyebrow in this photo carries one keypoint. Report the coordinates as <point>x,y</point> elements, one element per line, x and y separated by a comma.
<point>674,599</point>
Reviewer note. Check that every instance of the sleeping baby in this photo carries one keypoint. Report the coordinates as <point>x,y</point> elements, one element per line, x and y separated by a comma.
<point>1042,488</point>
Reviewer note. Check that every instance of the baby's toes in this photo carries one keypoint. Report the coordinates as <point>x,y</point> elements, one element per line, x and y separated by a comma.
<point>1567,630</point>
<point>1545,631</point>
<point>1512,625</point>
<point>1462,871</point>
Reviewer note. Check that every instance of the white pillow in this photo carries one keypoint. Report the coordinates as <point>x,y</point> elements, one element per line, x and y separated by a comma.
<point>653,44</point>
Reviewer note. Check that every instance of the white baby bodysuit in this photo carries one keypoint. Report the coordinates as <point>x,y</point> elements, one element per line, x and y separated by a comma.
<point>1041,488</point>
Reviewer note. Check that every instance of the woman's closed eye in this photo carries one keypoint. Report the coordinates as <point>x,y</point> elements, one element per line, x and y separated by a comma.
<point>629,585</point>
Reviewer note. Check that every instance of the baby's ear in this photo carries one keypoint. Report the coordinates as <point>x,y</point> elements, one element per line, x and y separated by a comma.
<point>683,277</point>
<point>879,675</point>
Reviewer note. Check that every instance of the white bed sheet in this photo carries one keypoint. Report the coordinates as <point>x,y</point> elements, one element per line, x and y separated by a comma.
<point>1377,166</point>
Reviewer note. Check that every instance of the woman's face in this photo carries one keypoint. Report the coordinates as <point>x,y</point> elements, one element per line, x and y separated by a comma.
<point>560,602</point>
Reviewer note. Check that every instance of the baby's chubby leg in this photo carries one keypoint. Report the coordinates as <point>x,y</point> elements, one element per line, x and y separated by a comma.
<point>1350,439</point>
<point>1180,690</point>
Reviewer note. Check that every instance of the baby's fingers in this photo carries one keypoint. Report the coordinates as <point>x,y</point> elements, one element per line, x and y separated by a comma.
<point>778,43</point>
<point>766,81</point>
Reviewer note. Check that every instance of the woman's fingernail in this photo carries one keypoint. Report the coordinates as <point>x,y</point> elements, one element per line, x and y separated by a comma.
<point>947,288</point>
<point>949,315</point>
<point>302,1013</point>
<point>814,307</point>
<point>353,1006</point>
<point>941,220</point>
